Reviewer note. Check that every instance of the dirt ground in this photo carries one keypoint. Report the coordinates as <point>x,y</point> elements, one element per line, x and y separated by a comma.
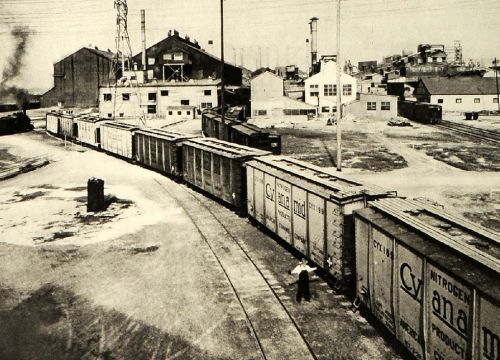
<point>140,280</point>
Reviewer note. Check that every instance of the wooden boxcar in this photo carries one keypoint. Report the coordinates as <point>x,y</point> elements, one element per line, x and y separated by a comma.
<point>117,138</point>
<point>67,126</point>
<point>430,278</point>
<point>89,129</point>
<point>216,166</point>
<point>52,119</point>
<point>421,112</point>
<point>160,149</point>
<point>308,208</point>
<point>212,125</point>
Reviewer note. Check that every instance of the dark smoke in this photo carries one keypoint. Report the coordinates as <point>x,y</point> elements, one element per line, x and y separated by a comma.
<point>13,68</point>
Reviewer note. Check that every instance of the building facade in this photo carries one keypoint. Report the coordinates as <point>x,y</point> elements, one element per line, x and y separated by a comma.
<point>268,99</point>
<point>78,77</point>
<point>321,88</point>
<point>162,100</point>
<point>178,58</point>
<point>459,94</point>
<point>374,105</point>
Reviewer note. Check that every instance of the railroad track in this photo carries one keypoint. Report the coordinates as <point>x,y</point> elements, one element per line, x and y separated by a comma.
<point>483,134</point>
<point>265,341</point>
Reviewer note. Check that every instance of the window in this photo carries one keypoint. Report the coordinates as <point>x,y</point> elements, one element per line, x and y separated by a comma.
<point>260,112</point>
<point>207,105</point>
<point>207,92</point>
<point>440,101</point>
<point>164,92</point>
<point>477,100</point>
<point>152,96</point>
<point>299,111</point>
<point>107,97</point>
<point>495,100</point>
<point>125,97</point>
<point>325,109</point>
<point>314,93</point>
<point>170,113</point>
<point>110,115</point>
<point>122,114</point>
<point>330,90</point>
<point>188,112</point>
<point>151,61</point>
<point>151,109</point>
<point>179,112</point>
<point>184,102</point>
<point>385,105</point>
<point>347,89</point>
<point>178,56</point>
<point>458,100</point>
<point>371,105</point>
<point>313,86</point>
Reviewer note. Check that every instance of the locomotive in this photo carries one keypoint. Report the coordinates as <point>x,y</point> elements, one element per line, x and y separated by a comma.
<point>15,123</point>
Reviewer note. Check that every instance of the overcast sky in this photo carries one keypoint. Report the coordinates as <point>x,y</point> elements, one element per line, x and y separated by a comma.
<point>275,29</point>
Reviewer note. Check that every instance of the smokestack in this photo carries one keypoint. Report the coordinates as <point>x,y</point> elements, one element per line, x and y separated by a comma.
<point>314,40</point>
<point>143,38</point>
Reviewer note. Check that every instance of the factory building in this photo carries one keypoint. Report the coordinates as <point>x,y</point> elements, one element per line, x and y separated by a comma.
<point>268,99</point>
<point>321,88</point>
<point>459,94</point>
<point>180,59</point>
<point>173,100</point>
<point>77,78</point>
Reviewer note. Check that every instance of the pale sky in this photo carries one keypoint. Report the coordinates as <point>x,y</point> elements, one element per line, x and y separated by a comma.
<point>279,28</point>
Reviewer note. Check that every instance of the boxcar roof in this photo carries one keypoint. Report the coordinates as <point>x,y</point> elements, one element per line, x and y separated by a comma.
<point>165,134</point>
<point>473,241</point>
<point>225,148</point>
<point>90,119</point>
<point>470,271</point>
<point>315,179</point>
<point>245,129</point>
<point>120,125</point>
<point>59,114</point>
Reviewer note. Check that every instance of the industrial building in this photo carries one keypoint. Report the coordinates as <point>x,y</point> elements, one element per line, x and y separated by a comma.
<point>459,94</point>
<point>374,105</point>
<point>321,88</point>
<point>268,99</point>
<point>163,100</point>
<point>179,58</point>
<point>77,78</point>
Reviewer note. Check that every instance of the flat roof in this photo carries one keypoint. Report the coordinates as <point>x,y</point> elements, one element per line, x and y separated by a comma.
<point>224,148</point>
<point>167,84</point>
<point>165,134</point>
<point>316,179</point>
<point>120,125</point>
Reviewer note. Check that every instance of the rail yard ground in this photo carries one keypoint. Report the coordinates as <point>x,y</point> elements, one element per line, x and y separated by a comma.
<point>166,273</point>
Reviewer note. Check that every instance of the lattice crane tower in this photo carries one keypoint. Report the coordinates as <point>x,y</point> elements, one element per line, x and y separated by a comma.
<point>123,49</point>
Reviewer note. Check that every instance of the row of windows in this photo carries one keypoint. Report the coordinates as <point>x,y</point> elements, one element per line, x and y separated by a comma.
<point>476,100</point>
<point>151,96</point>
<point>372,105</point>
<point>326,109</point>
<point>330,90</point>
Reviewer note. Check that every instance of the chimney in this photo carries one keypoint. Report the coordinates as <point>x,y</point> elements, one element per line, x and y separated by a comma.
<point>314,40</point>
<point>143,38</point>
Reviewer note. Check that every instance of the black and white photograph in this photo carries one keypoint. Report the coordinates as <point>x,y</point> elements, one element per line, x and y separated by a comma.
<point>249,180</point>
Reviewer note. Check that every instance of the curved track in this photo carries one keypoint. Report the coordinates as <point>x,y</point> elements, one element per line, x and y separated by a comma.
<point>483,134</point>
<point>255,301</point>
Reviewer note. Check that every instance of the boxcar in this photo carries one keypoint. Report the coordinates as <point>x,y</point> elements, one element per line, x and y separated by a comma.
<point>421,112</point>
<point>67,126</point>
<point>160,150</point>
<point>431,279</point>
<point>52,122</point>
<point>216,167</point>
<point>253,136</point>
<point>117,138</point>
<point>309,209</point>
<point>212,125</point>
<point>89,129</point>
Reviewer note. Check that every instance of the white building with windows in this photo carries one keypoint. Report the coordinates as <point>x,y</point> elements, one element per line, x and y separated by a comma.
<point>374,105</point>
<point>459,94</point>
<point>321,88</point>
<point>268,99</point>
<point>162,100</point>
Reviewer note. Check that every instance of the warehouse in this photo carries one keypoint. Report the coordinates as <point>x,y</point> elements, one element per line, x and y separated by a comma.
<point>182,59</point>
<point>77,78</point>
<point>459,94</point>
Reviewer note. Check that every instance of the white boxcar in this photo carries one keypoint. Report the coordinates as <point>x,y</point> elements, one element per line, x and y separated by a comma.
<point>431,279</point>
<point>52,122</point>
<point>88,129</point>
<point>308,208</point>
<point>117,138</point>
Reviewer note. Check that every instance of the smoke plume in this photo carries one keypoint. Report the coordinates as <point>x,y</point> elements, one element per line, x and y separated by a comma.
<point>14,66</point>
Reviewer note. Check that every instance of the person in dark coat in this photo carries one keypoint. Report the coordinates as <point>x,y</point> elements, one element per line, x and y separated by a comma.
<point>303,271</point>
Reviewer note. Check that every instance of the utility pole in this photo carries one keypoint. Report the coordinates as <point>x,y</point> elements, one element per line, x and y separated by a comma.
<point>496,77</point>
<point>222,61</point>
<point>339,94</point>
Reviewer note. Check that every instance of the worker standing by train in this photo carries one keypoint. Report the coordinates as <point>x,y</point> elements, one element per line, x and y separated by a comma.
<point>303,271</point>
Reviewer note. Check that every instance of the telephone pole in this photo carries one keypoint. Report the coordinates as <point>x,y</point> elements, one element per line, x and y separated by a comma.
<point>339,94</point>
<point>222,60</point>
<point>495,62</point>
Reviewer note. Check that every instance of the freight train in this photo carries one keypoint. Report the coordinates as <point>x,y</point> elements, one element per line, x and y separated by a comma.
<point>15,123</point>
<point>421,112</point>
<point>431,279</point>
